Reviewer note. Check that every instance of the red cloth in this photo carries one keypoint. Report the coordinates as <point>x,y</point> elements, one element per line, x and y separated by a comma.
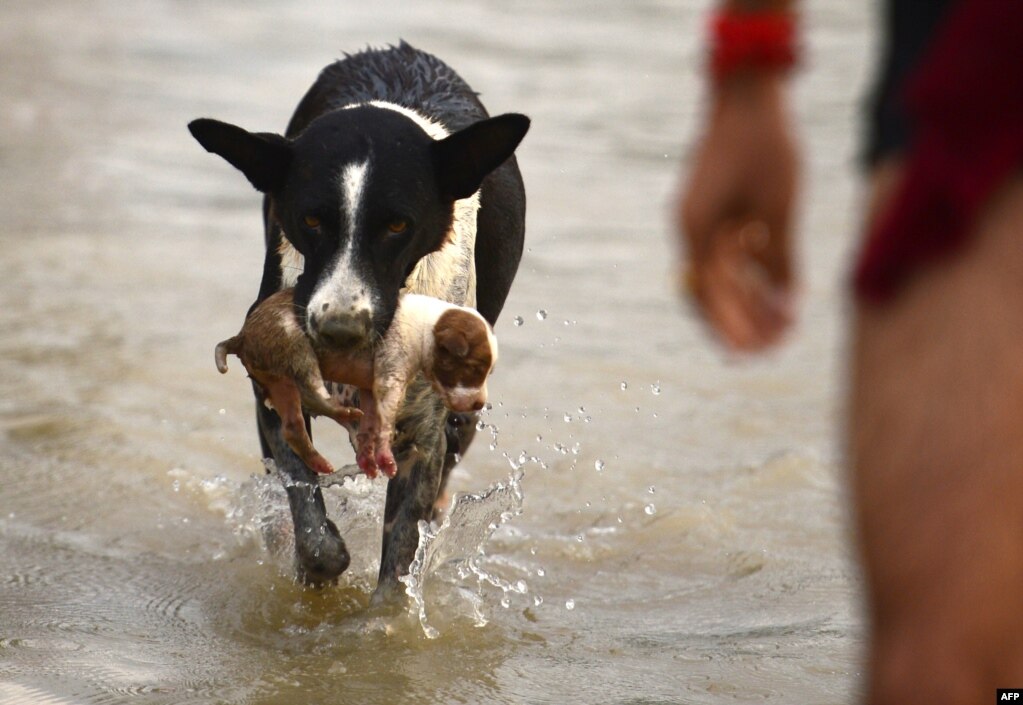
<point>751,40</point>
<point>965,102</point>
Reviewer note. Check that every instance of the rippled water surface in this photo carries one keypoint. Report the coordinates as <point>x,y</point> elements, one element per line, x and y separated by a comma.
<point>682,535</point>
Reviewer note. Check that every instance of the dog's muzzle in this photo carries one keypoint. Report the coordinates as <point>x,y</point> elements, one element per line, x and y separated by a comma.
<point>343,331</point>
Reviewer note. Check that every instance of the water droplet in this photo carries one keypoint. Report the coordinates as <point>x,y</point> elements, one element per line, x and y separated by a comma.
<point>656,387</point>
<point>576,448</point>
<point>624,385</point>
<point>598,465</point>
<point>651,489</point>
<point>582,410</point>
<point>568,418</point>
<point>537,600</point>
<point>505,602</point>
<point>567,322</point>
<point>541,314</point>
<point>521,587</point>
<point>650,509</point>
<point>569,604</point>
<point>222,412</point>
<point>539,438</point>
<point>541,572</point>
<point>481,425</point>
<point>518,321</point>
<point>176,485</point>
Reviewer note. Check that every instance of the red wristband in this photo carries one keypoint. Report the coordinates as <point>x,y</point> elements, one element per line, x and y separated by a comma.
<point>751,40</point>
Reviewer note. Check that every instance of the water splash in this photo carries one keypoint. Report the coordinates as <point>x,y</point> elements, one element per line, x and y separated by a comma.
<point>458,543</point>
<point>259,512</point>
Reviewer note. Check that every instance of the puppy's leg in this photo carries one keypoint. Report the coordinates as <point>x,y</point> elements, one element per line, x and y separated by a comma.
<point>419,447</point>
<point>389,394</point>
<point>319,401</point>
<point>286,399</point>
<point>365,439</point>
<point>320,552</point>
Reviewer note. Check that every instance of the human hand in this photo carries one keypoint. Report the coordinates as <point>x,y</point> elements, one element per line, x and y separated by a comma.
<point>734,214</point>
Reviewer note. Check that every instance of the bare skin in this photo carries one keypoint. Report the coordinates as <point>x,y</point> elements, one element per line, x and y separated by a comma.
<point>735,214</point>
<point>937,399</point>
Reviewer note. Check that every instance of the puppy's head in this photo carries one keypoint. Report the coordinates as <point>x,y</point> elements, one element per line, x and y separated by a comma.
<point>362,193</point>
<point>464,353</point>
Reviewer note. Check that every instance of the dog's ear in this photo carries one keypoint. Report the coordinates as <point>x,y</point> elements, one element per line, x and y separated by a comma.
<point>262,156</point>
<point>463,159</point>
<point>451,339</point>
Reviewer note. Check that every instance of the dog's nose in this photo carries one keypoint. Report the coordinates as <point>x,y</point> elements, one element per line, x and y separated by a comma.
<point>477,405</point>
<point>344,331</point>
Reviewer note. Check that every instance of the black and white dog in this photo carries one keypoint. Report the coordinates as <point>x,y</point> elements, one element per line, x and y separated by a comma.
<point>390,177</point>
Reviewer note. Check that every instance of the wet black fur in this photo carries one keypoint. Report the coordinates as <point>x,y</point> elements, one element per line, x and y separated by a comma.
<point>298,174</point>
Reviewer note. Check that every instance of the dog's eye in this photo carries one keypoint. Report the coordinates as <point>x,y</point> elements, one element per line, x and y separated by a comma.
<point>312,221</point>
<point>397,226</point>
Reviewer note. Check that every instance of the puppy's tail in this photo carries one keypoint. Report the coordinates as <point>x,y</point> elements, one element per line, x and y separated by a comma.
<point>225,347</point>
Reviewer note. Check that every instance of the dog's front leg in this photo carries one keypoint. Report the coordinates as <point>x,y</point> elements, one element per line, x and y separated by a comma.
<point>320,552</point>
<point>419,448</point>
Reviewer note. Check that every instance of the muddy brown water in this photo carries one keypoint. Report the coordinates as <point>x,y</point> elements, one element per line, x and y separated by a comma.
<point>683,534</point>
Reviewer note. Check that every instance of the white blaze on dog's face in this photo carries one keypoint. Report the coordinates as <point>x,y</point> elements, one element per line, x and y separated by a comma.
<point>342,286</point>
<point>464,354</point>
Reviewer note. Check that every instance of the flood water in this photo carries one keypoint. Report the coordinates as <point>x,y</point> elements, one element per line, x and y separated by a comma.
<point>682,536</point>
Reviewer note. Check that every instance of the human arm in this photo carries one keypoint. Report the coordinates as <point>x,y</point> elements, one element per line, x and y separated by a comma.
<point>734,213</point>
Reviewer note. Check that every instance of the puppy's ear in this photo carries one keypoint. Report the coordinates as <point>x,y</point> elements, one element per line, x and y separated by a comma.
<point>463,159</point>
<point>452,340</point>
<point>262,156</point>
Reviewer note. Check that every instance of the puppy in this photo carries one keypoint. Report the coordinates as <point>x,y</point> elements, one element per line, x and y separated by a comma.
<point>453,346</point>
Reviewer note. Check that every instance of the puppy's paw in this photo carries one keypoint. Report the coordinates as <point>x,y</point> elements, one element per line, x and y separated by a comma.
<point>351,413</point>
<point>385,461</point>
<point>321,465</point>
<point>366,462</point>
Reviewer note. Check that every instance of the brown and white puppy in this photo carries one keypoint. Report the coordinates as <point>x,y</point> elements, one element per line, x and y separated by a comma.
<point>453,346</point>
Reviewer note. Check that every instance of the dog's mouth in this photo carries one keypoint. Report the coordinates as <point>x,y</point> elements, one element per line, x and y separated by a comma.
<point>343,333</point>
